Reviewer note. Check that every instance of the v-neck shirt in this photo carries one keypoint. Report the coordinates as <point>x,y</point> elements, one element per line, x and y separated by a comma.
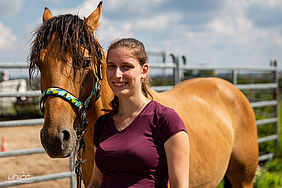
<point>135,119</point>
<point>135,156</point>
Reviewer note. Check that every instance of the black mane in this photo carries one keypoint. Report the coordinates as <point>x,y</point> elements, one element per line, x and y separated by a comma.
<point>73,34</point>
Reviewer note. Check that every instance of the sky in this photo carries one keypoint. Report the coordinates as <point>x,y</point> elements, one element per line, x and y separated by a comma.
<point>232,33</point>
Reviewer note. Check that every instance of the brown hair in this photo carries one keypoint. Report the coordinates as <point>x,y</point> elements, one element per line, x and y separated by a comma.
<point>138,51</point>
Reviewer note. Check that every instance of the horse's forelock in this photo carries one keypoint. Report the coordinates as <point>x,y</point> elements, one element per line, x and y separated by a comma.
<point>73,33</point>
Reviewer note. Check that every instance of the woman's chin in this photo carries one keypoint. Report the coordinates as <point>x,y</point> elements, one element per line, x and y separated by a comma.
<point>121,94</point>
<point>124,94</point>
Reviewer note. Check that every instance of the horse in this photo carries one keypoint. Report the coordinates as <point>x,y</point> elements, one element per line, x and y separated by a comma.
<point>219,119</point>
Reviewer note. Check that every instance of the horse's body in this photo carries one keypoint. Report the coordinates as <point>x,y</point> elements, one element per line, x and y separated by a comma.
<point>221,127</point>
<point>218,117</point>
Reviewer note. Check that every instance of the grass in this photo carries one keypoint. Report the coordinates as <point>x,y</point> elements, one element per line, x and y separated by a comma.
<point>269,175</point>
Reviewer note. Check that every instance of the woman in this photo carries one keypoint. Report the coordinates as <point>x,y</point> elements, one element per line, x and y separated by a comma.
<point>140,143</point>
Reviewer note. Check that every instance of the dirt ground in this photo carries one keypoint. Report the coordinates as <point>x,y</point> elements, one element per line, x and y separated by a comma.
<point>30,165</point>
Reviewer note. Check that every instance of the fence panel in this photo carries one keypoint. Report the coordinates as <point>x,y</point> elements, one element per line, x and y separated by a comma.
<point>28,122</point>
<point>178,69</point>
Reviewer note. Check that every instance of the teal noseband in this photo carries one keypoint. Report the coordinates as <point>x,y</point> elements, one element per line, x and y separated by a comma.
<point>74,101</point>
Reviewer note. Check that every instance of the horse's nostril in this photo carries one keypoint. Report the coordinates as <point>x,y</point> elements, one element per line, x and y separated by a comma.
<point>65,139</point>
<point>66,135</point>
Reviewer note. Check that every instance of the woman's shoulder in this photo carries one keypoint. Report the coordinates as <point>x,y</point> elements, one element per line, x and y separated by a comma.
<point>163,110</point>
<point>168,122</point>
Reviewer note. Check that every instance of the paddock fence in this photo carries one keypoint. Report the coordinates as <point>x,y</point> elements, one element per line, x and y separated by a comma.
<point>11,93</point>
<point>178,65</point>
<point>169,68</point>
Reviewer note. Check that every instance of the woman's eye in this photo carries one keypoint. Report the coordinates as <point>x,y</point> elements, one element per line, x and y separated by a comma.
<point>127,67</point>
<point>110,66</point>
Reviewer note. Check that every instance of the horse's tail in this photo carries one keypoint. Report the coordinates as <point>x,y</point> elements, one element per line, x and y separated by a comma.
<point>226,183</point>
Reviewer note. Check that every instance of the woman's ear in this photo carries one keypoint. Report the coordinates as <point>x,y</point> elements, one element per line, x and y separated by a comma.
<point>145,70</point>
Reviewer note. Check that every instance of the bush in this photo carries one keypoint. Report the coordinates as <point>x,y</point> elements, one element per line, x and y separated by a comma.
<point>270,175</point>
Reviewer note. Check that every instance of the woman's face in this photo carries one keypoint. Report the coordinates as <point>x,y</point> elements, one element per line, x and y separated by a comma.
<point>124,72</point>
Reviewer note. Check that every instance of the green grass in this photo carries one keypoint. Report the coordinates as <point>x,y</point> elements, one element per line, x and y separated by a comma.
<point>270,175</point>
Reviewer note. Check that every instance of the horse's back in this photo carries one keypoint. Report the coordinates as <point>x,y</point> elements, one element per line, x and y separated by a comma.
<point>219,120</point>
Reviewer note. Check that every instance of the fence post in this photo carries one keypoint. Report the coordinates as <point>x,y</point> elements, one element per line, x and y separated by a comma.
<point>276,97</point>
<point>72,177</point>
<point>181,72</point>
<point>176,71</point>
<point>235,76</point>
<point>163,71</point>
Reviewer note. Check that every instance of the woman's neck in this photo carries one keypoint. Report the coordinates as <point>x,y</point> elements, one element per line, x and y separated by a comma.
<point>132,106</point>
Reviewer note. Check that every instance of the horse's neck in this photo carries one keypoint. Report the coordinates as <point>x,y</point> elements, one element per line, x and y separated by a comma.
<point>99,107</point>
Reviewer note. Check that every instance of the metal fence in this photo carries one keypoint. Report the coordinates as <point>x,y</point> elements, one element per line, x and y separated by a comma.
<point>177,66</point>
<point>29,122</point>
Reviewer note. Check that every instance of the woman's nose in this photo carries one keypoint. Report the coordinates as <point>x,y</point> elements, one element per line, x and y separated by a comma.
<point>118,72</point>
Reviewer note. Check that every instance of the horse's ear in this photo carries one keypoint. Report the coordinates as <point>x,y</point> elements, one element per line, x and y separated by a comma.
<point>46,15</point>
<point>93,19</point>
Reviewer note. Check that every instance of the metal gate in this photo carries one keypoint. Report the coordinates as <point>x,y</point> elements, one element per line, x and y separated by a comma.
<point>177,66</point>
<point>29,122</point>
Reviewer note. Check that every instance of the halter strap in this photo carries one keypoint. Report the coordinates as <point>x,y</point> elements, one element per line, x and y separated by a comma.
<point>56,91</point>
<point>74,101</point>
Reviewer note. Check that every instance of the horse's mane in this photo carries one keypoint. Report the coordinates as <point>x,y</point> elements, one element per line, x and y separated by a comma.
<point>73,33</point>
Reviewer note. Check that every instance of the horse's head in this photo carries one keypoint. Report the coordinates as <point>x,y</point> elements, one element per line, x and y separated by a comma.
<point>68,57</point>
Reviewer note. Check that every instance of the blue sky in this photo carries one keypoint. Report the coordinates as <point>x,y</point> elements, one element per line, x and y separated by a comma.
<point>214,32</point>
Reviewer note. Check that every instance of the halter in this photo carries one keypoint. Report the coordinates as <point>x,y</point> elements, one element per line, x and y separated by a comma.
<point>81,108</point>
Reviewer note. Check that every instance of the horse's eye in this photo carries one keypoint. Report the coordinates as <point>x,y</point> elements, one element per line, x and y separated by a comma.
<point>38,65</point>
<point>86,63</point>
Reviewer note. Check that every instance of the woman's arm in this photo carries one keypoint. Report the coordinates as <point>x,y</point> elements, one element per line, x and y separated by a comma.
<point>177,149</point>
<point>97,176</point>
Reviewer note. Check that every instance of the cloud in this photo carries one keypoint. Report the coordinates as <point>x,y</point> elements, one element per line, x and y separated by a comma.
<point>265,14</point>
<point>53,1</point>
<point>230,37</point>
<point>110,31</point>
<point>135,6</point>
<point>215,32</point>
<point>158,22</point>
<point>10,7</point>
<point>211,32</point>
<point>83,10</point>
<point>122,9</point>
<point>7,39</point>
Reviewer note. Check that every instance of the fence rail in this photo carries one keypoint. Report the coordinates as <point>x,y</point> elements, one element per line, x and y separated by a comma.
<point>36,179</point>
<point>29,122</point>
<point>35,93</point>
<point>19,123</point>
<point>178,64</point>
<point>178,70</point>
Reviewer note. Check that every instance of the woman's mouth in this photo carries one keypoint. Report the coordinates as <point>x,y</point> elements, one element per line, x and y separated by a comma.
<point>119,84</point>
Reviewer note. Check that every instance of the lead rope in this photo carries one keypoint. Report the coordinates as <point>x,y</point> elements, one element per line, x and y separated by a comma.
<point>79,132</point>
<point>83,126</point>
<point>78,162</point>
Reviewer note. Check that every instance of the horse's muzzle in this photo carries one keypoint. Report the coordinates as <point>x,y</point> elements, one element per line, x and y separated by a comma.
<point>58,144</point>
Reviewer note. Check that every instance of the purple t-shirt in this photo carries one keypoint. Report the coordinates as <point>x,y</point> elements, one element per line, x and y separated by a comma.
<point>135,157</point>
